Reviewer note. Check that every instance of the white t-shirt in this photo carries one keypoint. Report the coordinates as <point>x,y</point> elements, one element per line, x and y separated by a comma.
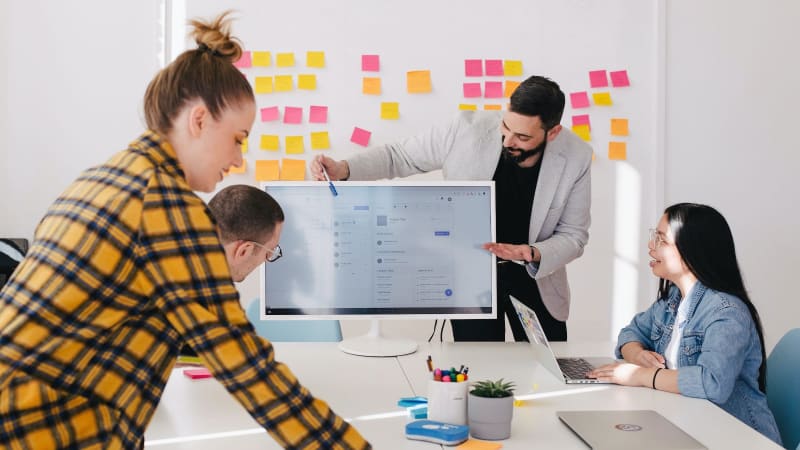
<point>671,354</point>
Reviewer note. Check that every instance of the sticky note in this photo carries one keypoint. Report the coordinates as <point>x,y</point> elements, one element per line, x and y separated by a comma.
<point>267,170</point>
<point>467,107</point>
<point>360,136</point>
<point>244,145</point>
<point>270,113</point>
<point>283,83</point>
<point>315,59</point>
<point>473,444</point>
<point>473,67</point>
<point>370,63</point>
<point>418,81</point>
<point>244,61</point>
<point>492,107</point>
<point>617,151</point>
<point>602,98</point>
<point>307,82</point>
<point>197,374</point>
<point>318,114</point>
<point>579,100</point>
<point>619,127</point>
<point>262,59</point>
<point>598,78</point>
<point>494,67</point>
<point>294,145</point>
<point>472,90</point>
<point>582,131</point>
<point>493,89</point>
<point>240,169</point>
<point>371,86</point>
<point>263,85</point>
<point>581,119</point>
<point>292,114</point>
<point>320,140</point>
<point>619,78</point>
<point>293,169</point>
<point>390,110</point>
<point>285,60</point>
<point>512,68</point>
<point>511,86</point>
<point>270,142</point>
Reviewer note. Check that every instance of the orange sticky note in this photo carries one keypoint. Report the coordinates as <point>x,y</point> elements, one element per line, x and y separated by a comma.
<point>602,98</point>
<point>467,107</point>
<point>244,145</point>
<point>262,59</point>
<point>240,169</point>
<point>293,169</point>
<point>511,86</point>
<point>283,83</point>
<point>294,145</point>
<point>619,127</point>
<point>267,170</point>
<point>307,82</point>
<point>285,59</point>
<point>371,86</point>
<point>474,444</point>
<point>315,59</point>
<point>512,68</point>
<point>320,140</point>
<point>390,110</point>
<point>582,131</point>
<point>419,81</point>
<point>263,85</point>
<point>617,151</point>
<point>492,107</point>
<point>270,142</point>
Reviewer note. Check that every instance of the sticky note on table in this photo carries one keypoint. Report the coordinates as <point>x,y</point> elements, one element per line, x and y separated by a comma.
<point>294,145</point>
<point>262,59</point>
<point>581,119</point>
<point>598,78</point>
<point>270,142</point>
<point>511,86</point>
<point>293,169</point>
<point>315,59</point>
<point>418,81</point>
<point>263,85</point>
<point>292,114</point>
<point>474,444</point>
<point>467,107</point>
<point>370,63</point>
<point>244,61</point>
<point>360,136</point>
<point>390,110</point>
<point>579,100</point>
<point>270,113</point>
<point>318,114</point>
<point>473,67</point>
<point>512,68</point>
<point>240,169</point>
<point>582,131</point>
<point>602,98</point>
<point>619,127</point>
<point>371,86</point>
<point>493,89</point>
<point>307,82</point>
<point>494,67</point>
<point>320,140</point>
<point>472,90</point>
<point>283,83</point>
<point>285,60</point>
<point>617,151</point>
<point>197,374</point>
<point>267,170</point>
<point>619,78</point>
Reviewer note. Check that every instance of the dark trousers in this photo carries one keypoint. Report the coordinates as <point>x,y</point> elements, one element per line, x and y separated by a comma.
<point>511,280</point>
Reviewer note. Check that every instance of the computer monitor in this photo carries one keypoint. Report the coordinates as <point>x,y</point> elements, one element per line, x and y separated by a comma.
<point>382,250</point>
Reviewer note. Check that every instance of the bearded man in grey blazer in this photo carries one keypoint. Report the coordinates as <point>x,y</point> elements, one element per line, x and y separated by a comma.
<point>542,176</point>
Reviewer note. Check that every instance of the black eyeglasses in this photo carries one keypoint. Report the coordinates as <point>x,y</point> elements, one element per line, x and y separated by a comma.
<point>273,254</point>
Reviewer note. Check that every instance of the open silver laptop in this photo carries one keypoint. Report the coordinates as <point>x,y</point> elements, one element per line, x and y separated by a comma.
<point>572,370</point>
<point>627,430</point>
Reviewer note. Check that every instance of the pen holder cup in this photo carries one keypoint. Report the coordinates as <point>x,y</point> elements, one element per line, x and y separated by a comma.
<point>447,402</point>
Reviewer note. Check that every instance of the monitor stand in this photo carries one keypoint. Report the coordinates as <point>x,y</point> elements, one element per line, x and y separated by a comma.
<point>374,344</point>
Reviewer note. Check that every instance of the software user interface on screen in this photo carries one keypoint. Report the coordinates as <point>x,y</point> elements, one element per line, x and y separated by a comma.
<point>382,249</point>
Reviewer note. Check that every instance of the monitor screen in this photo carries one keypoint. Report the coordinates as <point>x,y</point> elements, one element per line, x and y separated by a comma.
<point>386,249</point>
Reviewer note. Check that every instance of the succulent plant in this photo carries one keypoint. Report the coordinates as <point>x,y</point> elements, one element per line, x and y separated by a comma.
<point>493,389</point>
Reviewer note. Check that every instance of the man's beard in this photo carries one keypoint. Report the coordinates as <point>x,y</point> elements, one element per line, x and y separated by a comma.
<point>523,154</point>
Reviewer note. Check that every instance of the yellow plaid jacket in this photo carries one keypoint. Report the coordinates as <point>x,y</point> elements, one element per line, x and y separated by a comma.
<point>125,267</point>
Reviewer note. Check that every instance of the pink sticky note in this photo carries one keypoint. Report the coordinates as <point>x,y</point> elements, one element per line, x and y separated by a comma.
<point>245,61</point>
<point>360,136</point>
<point>581,119</point>
<point>494,67</point>
<point>269,114</point>
<point>473,67</point>
<point>197,374</point>
<point>598,78</point>
<point>292,114</point>
<point>619,78</point>
<point>472,90</point>
<point>370,63</point>
<point>318,114</point>
<point>493,89</point>
<point>579,99</point>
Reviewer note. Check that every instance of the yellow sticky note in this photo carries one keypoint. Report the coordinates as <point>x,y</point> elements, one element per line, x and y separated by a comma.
<point>512,68</point>
<point>263,85</point>
<point>294,145</point>
<point>283,83</point>
<point>617,151</point>
<point>270,142</point>
<point>371,86</point>
<point>473,444</point>
<point>582,131</point>
<point>267,170</point>
<point>492,107</point>
<point>390,110</point>
<point>419,81</point>
<point>240,169</point>
<point>315,59</point>
<point>293,169</point>
<point>244,145</point>
<point>602,99</point>
<point>320,140</point>
<point>467,107</point>
<point>619,127</point>
<point>307,82</point>
<point>285,59</point>
<point>262,59</point>
<point>511,86</point>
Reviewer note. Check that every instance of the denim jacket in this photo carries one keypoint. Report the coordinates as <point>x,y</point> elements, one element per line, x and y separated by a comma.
<point>719,354</point>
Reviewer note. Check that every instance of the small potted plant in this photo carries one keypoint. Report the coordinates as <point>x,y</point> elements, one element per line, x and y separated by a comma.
<point>490,408</point>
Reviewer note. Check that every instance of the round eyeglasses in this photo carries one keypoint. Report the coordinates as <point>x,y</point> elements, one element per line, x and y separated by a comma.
<point>656,238</point>
<point>273,254</point>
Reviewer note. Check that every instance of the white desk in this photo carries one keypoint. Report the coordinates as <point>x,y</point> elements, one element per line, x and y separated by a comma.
<point>366,390</point>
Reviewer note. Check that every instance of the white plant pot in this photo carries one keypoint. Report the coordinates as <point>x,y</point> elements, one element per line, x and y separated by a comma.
<point>490,418</point>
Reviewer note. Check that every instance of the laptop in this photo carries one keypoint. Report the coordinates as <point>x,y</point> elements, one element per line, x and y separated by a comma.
<point>627,430</point>
<point>571,370</point>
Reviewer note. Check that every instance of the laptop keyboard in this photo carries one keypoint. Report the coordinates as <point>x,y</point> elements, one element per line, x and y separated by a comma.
<point>574,368</point>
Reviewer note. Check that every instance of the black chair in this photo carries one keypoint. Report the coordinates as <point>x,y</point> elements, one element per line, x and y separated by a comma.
<point>11,253</point>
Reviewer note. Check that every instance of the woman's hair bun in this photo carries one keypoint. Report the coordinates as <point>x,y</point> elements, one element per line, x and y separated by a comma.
<point>215,37</point>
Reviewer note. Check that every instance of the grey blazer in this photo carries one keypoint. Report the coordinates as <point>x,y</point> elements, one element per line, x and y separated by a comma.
<point>469,149</point>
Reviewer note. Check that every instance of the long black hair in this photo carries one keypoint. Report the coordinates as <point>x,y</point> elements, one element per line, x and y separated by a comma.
<point>705,242</point>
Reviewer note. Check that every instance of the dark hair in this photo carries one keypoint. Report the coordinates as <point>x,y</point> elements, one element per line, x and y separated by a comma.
<point>206,72</point>
<point>245,213</point>
<point>705,243</point>
<point>539,96</point>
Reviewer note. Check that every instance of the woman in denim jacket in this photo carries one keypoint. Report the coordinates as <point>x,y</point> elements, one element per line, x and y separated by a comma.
<point>702,337</point>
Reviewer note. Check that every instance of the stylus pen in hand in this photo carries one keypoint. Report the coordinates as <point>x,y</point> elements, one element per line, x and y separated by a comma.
<point>330,183</point>
<point>515,261</point>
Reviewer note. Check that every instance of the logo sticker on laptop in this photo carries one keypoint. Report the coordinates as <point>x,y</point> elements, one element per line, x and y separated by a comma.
<point>627,427</point>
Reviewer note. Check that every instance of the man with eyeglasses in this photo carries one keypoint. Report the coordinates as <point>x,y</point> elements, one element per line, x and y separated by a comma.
<point>543,188</point>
